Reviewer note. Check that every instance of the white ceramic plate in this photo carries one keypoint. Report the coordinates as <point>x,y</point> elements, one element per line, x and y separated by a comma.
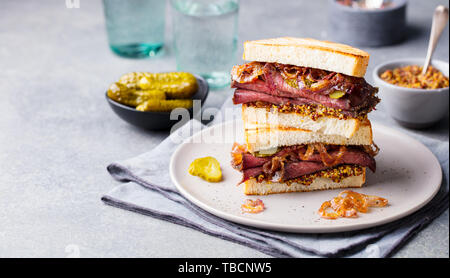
<point>408,175</point>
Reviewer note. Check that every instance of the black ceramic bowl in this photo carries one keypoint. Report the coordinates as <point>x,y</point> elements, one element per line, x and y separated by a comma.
<point>367,27</point>
<point>155,120</point>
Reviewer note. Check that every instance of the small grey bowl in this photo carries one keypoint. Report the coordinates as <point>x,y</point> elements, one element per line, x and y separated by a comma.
<point>413,108</point>
<point>367,27</point>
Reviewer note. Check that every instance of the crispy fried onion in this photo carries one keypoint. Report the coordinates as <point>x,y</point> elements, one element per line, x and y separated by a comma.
<point>348,203</point>
<point>252,206</point>
<point>372,150</point>
<point>237,154</point>
<point>247,73</point>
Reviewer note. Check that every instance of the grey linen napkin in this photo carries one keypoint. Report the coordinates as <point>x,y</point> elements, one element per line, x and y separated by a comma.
<point>147,189</point>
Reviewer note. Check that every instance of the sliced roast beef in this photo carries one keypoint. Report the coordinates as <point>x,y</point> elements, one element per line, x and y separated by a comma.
<point>251,173</point>
<point>259,91</point>
<point>278,86</point>
<point>256,86</point>
<point>291,162</point>
<point>290,170</point>
<point>359,95</point>
<point>357,157</point>
<point>297,169</point>
<point>251,161</point>
<point>351,156</point>
<point>246,96</point>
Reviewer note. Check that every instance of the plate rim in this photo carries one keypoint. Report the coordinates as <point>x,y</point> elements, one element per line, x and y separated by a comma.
<point>296,228</point>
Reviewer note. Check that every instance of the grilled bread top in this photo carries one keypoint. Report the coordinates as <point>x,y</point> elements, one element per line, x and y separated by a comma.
<point>305,52</point>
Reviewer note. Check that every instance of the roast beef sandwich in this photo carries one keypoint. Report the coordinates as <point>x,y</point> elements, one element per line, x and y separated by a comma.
<point>304,107</point>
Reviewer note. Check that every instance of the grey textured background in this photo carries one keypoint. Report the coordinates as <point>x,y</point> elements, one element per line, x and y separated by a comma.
<point>57,133</point>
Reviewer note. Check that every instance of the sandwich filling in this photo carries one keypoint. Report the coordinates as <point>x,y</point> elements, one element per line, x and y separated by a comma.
<point>304,163</point>
<point>297,88</point>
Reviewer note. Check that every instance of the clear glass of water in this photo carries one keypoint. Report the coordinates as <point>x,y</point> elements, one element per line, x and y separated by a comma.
<point>205,38</point>
<point>135,27</point>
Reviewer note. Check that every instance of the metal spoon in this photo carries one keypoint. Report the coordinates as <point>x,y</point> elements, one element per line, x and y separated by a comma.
<point>440,19</point>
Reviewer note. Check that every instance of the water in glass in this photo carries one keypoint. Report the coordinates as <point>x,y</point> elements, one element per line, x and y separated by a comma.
<point>205,38</point>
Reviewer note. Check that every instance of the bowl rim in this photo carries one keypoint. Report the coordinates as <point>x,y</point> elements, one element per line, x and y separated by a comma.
<point>419,61</point>
<point>401,4</point>
<point>130,108</point>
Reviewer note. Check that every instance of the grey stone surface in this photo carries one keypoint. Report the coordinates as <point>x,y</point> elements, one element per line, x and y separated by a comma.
<point>57,133</point>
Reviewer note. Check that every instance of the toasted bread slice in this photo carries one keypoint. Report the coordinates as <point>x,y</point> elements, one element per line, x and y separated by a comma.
<point>259,118</point>
<point>309,53</point>
<point>252,187</point>
<point>267,137</point>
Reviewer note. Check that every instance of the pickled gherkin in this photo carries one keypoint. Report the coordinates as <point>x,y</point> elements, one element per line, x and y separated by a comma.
<point>122,93</point>
<point>207,168</point>
<point>175,84</point>
<point>131,78</point>
<point>160,105</point>
<point>337,94</point>
<point>129,96</point>
<point>144,95</point>
<point>159,92</point>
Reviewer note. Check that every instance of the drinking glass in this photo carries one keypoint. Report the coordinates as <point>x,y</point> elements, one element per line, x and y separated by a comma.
<point>205,38</point>
<point>135,27</point>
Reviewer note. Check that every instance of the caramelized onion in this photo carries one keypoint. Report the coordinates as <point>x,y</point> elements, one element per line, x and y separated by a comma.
<point>290,72</point>
<point>326,157</point>
<point>309,151</point>
<point>322,151</point>
<point>344,207</point>
<point>338,156</point>
<point>375,201</point>
<point>348,203</point>
<point>319,85</point>
<point>369,149</point>
<point>359,200</point>
<point>316,74</point>
<point>326,211</point>
<point>274,165</point>
<point>251,206</point>
<point>237,154</point>
<point>247,73</point>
